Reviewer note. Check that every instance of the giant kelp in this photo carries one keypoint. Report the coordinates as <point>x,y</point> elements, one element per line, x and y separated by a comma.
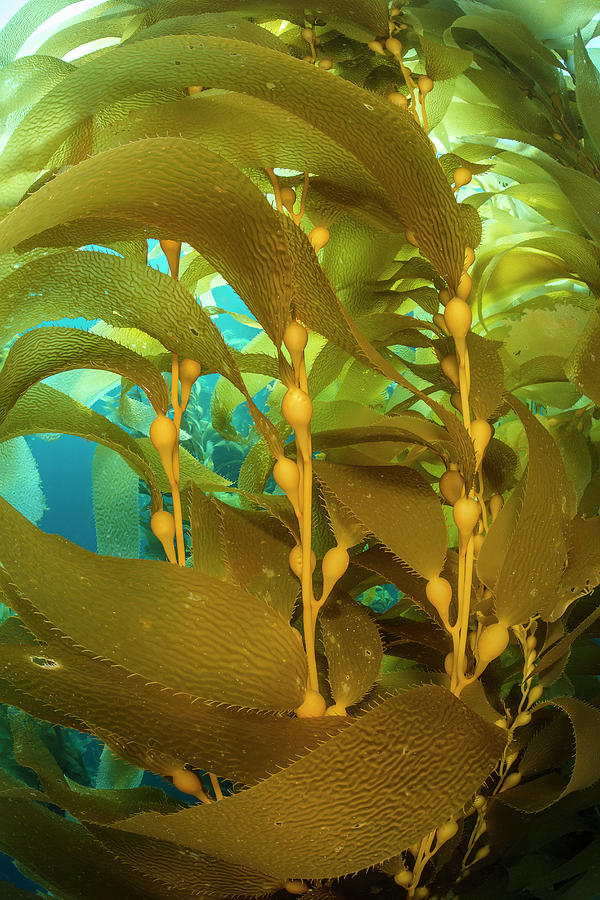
<point>430,433</point>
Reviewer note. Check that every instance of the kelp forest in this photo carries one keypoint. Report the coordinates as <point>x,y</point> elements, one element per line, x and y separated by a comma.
<point>316,289</point>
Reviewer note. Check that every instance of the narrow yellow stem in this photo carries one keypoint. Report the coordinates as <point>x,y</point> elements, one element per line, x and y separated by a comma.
<point>424,854</point>
<point>170,553</point>
<point>317,604</point>
<point>309,616</point>
<point>307,593</point>
<point>424,114</point>
<point>302,376</point>
<point>467,369</point>
<point>465,611</point>
<point>298,217</point>
<point>457,661</point>
<point>465,563</point>
<point>478,829</point>
<point>479,496</point>
<point>178,523</point>
<point>177,421</point>
<point>174,483</point>
<point>411,87</point>
<point>216,786</point>
<point>300,464</point>
<point>454,633</point>
<point>176,411</point>
<point>275,182</point>
<point>464,392</point>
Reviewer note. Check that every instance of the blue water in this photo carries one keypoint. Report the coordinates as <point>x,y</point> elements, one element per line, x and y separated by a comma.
<point>65,467</point>
<point>10,873</point>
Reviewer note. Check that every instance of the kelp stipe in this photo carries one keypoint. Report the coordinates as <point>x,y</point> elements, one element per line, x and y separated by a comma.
<point>423,298</point>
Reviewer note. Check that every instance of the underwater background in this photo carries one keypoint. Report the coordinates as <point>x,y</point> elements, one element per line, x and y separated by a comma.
<point>503,179</point>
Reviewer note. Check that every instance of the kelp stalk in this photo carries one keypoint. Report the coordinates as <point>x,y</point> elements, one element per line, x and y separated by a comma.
<point>296,407</point>
<point>172,251</point>
<point>164,436</point>
<point>395,48</point>
<point>466,509</point>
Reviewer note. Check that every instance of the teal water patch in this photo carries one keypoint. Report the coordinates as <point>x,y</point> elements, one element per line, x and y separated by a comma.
<point>380,598</point>
<point>65,467</point>
<point>10,873</point>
